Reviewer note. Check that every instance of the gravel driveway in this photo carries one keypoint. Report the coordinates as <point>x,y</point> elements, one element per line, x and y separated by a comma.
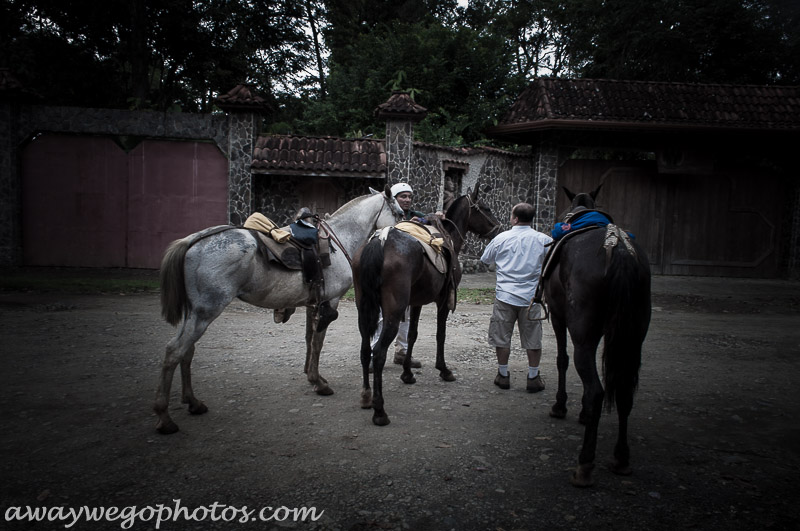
<point>714,439</point>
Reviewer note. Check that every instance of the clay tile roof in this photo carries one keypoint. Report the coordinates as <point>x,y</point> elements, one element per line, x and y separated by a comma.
<point>242,98</point>
<point>328,156</point>
<point>550,101</point>
<point>400,105</point>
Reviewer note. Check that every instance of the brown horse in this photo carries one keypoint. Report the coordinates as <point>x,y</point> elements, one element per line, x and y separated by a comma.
<point>600,288</point>
<point>392,275</point>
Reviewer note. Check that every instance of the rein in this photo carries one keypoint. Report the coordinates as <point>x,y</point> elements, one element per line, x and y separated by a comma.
<point>332,236</point>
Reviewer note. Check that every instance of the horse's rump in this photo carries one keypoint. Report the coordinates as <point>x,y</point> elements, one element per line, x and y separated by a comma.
<point>627,319</point>
<point>175,305</point>
<point>370,270</point>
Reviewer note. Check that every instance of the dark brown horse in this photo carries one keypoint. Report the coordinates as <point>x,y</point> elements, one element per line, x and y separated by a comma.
<point>600,287</point>
<point>391,275</point>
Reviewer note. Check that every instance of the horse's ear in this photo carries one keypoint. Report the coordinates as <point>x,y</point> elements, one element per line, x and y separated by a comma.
<point>570,195</point>
<point>387,190</point>
<point>373,191</point>
<point>596,191</point>
<point>474,193</point>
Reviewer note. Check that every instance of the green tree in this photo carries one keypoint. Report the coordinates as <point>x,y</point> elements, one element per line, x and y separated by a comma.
<point>458,73</point>
<point>707,41</point>
<point>161,54</point>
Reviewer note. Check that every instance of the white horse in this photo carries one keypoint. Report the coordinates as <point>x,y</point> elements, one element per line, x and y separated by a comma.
<point>203,272</point>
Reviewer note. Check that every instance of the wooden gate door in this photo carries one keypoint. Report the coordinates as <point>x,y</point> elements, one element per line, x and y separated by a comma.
<point>176,188</point>
<point>631,194</point>
<point>87,203</point>
<point>721,224</point>
<point>74,202</point>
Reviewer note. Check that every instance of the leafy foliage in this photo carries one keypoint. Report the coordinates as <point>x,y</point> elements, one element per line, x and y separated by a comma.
<point>327,64</point>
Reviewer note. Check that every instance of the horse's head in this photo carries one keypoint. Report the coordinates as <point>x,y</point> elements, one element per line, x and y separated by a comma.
<point>471,214</point>
<point>481,219</point>
<point>582,201</point>
<point>390,212</point>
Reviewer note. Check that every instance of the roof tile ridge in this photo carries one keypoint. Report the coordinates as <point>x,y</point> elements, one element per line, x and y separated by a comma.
<point>548,108</point>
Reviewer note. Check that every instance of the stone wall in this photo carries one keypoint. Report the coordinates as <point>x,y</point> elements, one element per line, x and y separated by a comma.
<point>510,177</point>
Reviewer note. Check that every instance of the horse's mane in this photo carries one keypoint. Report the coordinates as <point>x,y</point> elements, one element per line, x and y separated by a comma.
<point>350,204</point>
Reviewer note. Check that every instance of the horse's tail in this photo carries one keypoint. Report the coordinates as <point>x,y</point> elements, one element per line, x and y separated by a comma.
<point>174,302</point>
<point>369,280</point>
<point>626,323</point>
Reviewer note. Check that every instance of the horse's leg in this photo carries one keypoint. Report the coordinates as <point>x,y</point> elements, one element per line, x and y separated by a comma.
<point>559,409</point>
<point>441,331</point>
<point>196,407</point>
<point>413,329</point>
<point>309,336</point>
<point>622,453</point>
<point>313,350</point>
<point>586,366</point>
<point>180,349</point>
<point>388,333</point>
<point>366,358</point>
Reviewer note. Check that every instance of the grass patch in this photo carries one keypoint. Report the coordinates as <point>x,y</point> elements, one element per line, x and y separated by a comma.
<point>466,296</point>
<point>76,283</point>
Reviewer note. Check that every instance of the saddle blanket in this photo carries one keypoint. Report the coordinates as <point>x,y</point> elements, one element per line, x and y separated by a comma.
<point>424,233</point>
<point>431,242</point>
<point>261,223</point>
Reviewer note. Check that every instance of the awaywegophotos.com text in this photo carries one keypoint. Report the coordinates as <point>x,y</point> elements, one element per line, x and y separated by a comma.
<point>160,514</point>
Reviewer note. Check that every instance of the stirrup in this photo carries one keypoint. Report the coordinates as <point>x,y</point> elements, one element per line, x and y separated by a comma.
<point>546,313</point>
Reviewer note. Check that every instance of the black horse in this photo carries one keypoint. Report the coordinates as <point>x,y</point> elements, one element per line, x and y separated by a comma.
<point>390,275</point>
<point>599,287</point>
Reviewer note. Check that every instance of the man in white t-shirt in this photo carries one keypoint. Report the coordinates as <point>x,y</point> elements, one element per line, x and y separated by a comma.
<point>517,255</point>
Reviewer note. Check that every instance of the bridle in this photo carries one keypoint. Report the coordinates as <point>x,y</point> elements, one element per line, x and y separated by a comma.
<point>473,205</point>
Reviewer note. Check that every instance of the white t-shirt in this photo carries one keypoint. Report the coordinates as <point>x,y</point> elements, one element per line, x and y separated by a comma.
<point>517,254</point>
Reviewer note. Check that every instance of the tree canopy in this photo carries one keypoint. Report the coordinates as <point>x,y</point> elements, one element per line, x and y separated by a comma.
<point>327,64</point>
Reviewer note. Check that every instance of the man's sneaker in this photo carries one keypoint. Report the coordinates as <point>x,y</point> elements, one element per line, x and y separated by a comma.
<point>503,382</point>
<point>400,358</point>
<point>535,384</point>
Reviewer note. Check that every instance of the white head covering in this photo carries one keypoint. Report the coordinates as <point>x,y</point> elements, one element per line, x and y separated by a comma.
<point>399,188</point>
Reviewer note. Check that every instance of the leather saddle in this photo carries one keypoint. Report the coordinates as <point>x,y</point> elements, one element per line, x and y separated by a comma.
<point>286,245</point>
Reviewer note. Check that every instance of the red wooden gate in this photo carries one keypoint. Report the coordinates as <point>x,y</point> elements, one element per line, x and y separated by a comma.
<point>88,203</point>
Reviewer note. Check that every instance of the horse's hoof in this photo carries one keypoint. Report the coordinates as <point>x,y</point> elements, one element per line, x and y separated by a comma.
<point>166,428</point>
<point>447,376</point>
<point>582,476</point>
<point>198,409</point>
<point>366,399</point>
<point>323,389</point>
<point>408,378</point>
<point>558,412</point>
<point>620,469</point>
<point>380,420</point>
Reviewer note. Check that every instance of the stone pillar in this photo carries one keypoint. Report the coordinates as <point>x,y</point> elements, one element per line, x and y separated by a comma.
<point>244,110</point>
<point>399,150</point>
<point>10,193</point>
<point>242,131</point>
<point>544,186</point>
<point>400,113</point>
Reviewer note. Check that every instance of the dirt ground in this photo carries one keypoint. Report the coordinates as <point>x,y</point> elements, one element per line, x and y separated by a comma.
<point>714,438</point>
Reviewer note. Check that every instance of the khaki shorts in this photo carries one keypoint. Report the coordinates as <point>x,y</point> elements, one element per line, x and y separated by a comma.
<point>501,326</point>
